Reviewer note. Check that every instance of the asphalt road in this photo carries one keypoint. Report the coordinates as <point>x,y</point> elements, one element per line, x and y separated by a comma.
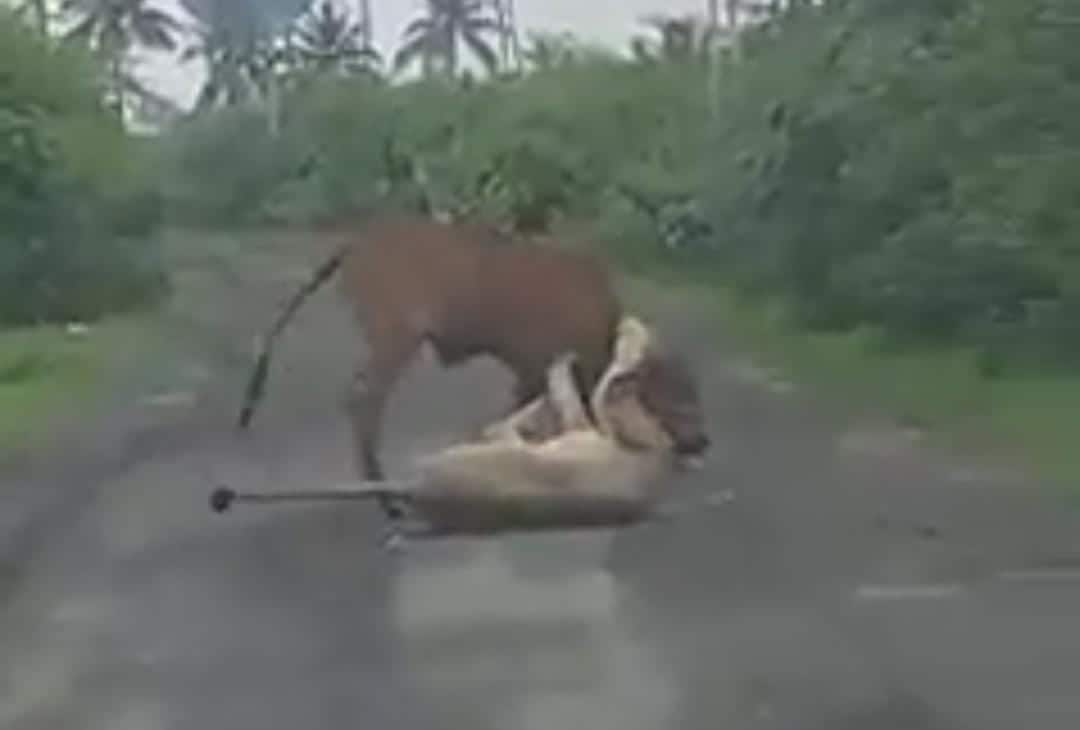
<point>837,574</point>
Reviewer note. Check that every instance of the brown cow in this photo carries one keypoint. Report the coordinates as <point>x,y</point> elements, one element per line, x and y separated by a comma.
<point>467,291</point>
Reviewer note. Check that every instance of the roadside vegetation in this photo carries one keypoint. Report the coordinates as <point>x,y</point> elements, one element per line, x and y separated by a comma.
<point>48,372</point>
<point>884,196</point>
<point>77,215</point>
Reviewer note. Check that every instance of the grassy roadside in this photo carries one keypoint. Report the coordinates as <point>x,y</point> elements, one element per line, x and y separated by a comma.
<point>47,373</point>
<point>1031,422</point>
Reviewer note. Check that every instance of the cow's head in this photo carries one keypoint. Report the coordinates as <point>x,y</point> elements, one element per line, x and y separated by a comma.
<point>649,398</point>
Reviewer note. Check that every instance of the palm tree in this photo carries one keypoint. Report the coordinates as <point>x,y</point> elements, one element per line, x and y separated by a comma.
<point>680,39</point>
<point>506,19</point>
<point>329,41</point>
<point>113,28</point>
<point>433,39</point>
<point>230,68</point>
<point>547,50</point>
<point>367,27</point>
<point>238,70</point>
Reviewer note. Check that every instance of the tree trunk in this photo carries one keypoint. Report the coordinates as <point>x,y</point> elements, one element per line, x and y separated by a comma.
<point>116,65</point>
<point>366,28</point>
<point>499,7</point>
<point>273,105</point>
<point>512,30</point>
<point>712,49</point>
<point>41,16</point>
<point>451,51</point>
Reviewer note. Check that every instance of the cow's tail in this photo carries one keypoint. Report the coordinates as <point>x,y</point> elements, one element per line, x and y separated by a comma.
<point>257,382</point>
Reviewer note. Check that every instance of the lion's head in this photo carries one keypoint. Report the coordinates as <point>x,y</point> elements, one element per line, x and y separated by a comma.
<point>649,398</point>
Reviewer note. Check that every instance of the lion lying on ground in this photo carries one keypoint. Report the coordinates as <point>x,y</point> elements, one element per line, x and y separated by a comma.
<point>547,466</point>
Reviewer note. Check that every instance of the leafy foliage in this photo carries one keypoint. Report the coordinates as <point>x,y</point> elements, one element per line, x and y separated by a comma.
<point>75,204</point>
<point>112,28</point>
<point>907,166</point>
<point>678,39</point>
<point>433,38</point>
<point>328,40</point>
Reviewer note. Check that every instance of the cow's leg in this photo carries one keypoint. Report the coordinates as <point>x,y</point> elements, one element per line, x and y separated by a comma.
<point>366,400</point>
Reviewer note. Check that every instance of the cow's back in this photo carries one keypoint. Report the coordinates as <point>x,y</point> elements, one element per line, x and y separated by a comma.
<point>403,267</point>
<point>540,301</point>
<point>473,293</point>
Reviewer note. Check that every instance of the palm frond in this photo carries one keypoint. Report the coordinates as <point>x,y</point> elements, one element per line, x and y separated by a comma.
<point>481,49</point>
<point>137,87</point>
<point>208,95</point>
<point>83,30</point>
<point>412,50</point>
<point>151,32</point>
<point>160,18</point>
<point>475,24</point>
<point>369,52</point>
<point>190,53</point>
<point>471,7</point>
<point>74,6</point>
<point>642,49</point>
<point>420,26</point>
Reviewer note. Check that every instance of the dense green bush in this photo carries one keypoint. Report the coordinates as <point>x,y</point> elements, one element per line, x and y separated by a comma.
<point>910,166</point>
<point>222,169</point>
<point>76,204</point>
<point>552,142</point>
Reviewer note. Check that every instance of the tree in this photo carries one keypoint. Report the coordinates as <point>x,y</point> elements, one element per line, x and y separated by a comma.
<point>433,38</point>
<point>230,68</point>
<point>506,18</point>
<point>76,209</point>
<point>113,28</point>
<point>328,40</point>
<point>679,39</point>
<point>244,45</point>
<point>367,25</point>
<point>547,50</point>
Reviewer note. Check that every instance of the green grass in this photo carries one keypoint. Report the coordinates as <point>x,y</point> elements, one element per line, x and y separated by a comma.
<point>46,373</point>
<point>1033,421</point>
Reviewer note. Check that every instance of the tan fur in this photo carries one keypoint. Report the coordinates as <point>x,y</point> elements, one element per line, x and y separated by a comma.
<point>582,459</point>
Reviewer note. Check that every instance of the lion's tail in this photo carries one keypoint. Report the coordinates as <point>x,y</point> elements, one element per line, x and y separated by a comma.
<point>256,386</point>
